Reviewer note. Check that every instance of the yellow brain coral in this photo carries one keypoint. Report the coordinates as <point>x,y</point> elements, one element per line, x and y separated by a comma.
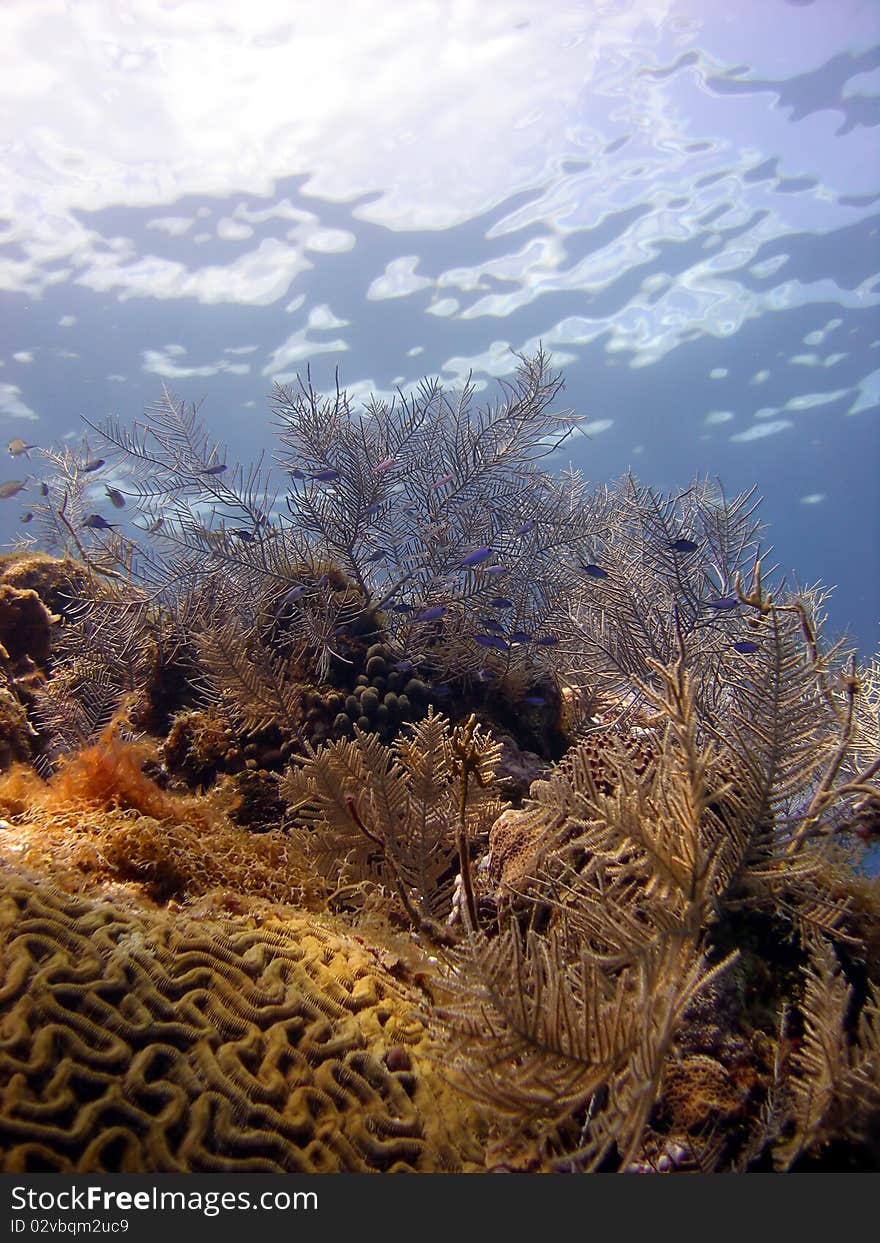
<point>137,1042</point>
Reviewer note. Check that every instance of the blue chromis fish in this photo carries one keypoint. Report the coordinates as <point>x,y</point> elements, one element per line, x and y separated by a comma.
<point>520,636</point>
<point>12,487</point>
<point>547,640</point>
<point>491,624</point>
<point>594,571</point>
<point>17,447</point>
<point>401,608</point>
<point>99,523</point>
<point>377,555</point>
<point>94,463</point>
<point>325,476</point>
<point>746,646</point>
<point>115,497</point>
<point>501,602</point>
<point>683,545</point>
<point>495,569</point>
<point>723,604</point>
<point>491,640</point>
<point>528,525</point>
<point>476,557</point>
<point>28,517</point>
<point>218,469</point>
<point>431,614</point>
<point>534,701</point>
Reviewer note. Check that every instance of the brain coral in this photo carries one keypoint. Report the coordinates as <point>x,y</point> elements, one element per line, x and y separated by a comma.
<point>137,1042</point>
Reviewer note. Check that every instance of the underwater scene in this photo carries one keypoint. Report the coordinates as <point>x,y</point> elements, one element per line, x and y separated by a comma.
<point>442,744</point>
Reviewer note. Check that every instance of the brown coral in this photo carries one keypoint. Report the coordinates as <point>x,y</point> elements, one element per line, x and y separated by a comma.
<point>25,624</point>
<point>129,1043</point>
<point>15,731</point>
<point>60,582</point>
<point>698,1090</point>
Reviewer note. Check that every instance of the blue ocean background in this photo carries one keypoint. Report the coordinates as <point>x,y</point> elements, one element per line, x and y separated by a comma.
<point>677,197</point>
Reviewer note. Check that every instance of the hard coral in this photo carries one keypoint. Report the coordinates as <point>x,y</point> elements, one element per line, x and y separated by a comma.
<point>60,582</point>
<point>15,731</point>
<point>160,1047</point>
<point>25,624</point>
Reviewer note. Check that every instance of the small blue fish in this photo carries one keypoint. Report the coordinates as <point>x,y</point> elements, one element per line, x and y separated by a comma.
<point>115,497</point>
<point>683,545</point>
<point>547,640</point>
<point>94,464</point>
<point>44,489</point>
<point>495,569</point>
<point>401,608</point>
<point>594,571</point>
<point>377,555</point>
<point>491,640</point>
<point>431,614</point>
<point>528,525</point>
<point>501,602</point>
<point>242,534</point>
<point>722,605</point>
<point>99,523</point>
<point>325,476</point>
<point>476,557</point>
<point>746,646</point>
<point>218,469</point>
<point>534,701</point>
<point>296,473</point>
<point>28,517</point>
<point>491,624</point>
<point>520,636</point>
<point>374,508</point>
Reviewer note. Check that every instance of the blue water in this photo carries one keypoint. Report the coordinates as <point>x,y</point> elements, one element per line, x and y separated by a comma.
<point>678,198</point>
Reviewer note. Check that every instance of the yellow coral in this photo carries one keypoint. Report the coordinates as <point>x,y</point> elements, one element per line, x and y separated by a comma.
<point>134,1043</point>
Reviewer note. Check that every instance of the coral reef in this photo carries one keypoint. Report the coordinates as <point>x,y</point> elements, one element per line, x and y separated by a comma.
<point>432,779</point>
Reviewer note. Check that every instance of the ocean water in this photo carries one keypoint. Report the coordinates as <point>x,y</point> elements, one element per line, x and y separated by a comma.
<point>677,197</point>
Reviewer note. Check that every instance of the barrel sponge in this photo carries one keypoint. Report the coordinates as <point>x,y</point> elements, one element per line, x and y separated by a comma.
<point>140,1042</point>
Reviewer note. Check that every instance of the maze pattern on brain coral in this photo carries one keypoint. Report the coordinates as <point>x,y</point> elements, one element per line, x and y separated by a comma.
<point>129,1043</point>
